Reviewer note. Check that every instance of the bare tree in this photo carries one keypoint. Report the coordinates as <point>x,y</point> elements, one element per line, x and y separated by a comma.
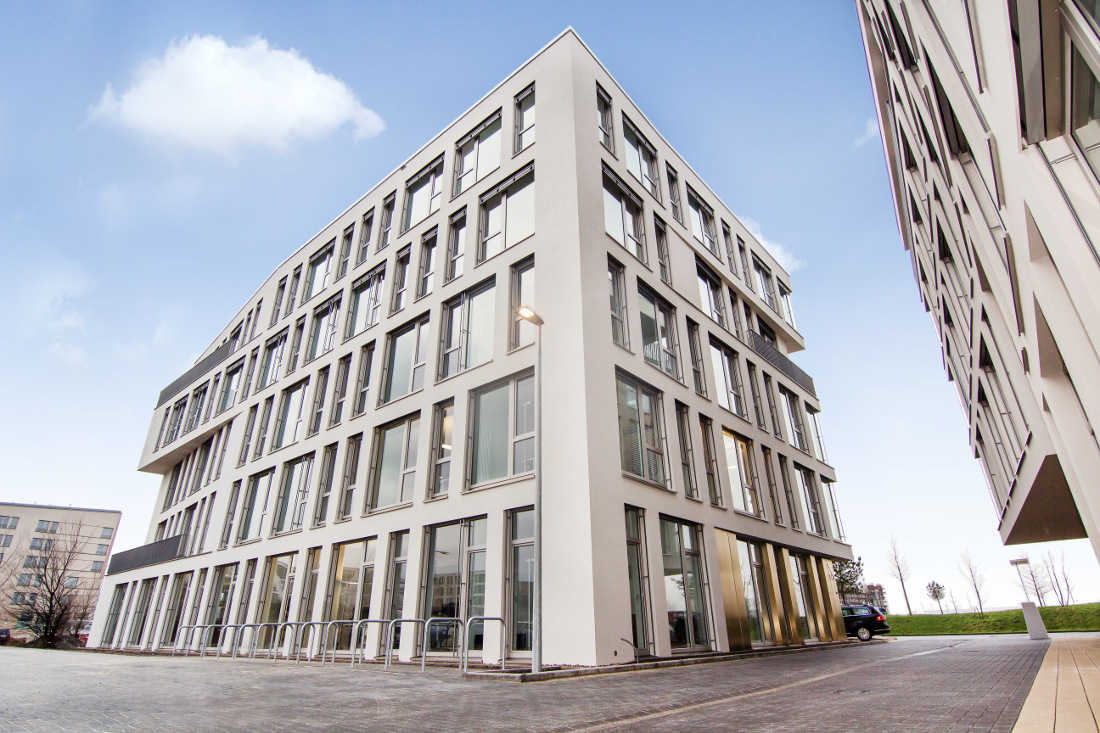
<point>936,593</point>
<point>899,567</point>
<point>1058,579</point>
<point>1037,582</point>
<point>969,569</point>
<point>47,594</point>
<point>954,603</point>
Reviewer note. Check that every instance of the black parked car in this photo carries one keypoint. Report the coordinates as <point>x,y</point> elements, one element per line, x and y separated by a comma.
<point>5,636</point>
<point>864,622</point>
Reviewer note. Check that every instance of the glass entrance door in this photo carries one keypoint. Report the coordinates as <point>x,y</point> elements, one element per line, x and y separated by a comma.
<point>682,554</point>
<point>637,576</point>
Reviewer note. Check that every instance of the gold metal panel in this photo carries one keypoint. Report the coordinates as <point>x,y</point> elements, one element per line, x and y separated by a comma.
<point>775,598</point>
<point>832,599</point>
<point>733,591</point>
<point>820,619</point>
<point>788,590</point>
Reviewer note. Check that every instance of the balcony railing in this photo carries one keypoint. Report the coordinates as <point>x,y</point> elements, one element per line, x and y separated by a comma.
<point>192,375</point>
<point>764,348</point>
<point>151,554</point>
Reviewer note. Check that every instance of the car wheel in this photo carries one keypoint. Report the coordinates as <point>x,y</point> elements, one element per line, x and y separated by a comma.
<point>863,633</point>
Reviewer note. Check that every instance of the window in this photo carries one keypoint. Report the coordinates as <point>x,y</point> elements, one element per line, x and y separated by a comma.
<point>339,390</point>
<point>231,386</point>
<point>230,515</point>
<point>836,528</point>
<point>324,484</point>
<point>478,154</point>
<point>400,279</point>
<point>727,240</point>
<point>702,222</point>
<point>423,192</point>
<point>406,352</point>
<point>345,252</point>
<point>254,506</point>
<point>744,254</point>
<point>366,302</point>
<point>792,419</point>
<point>456,246</point>
<point>617,281</point>
<point>767,288</point>
<point>442,445</point>
<point>198,398</point>
<point>291,415</point>
<point>364,237</point>
<point>5,540</point>
<point>9,522</point>
<point>37,543</point>
<point>772,409</point>
<point>523,293</point>
<point>426,272</point>
<point>507,214</point>
<point>757,602</point>
<point>697,373</point>
<point>710,458</point>
<point>788,492</point>
<point>44,525</point>
<point>362,380</point>
<point>97,566</point>
<point>685,598</point>
<point>674,193</point>
<point>295,345</point>
<point>641,158</point>
<point>318,408</point>
<point>660,345</point>
<point>455,578</point>
<point>604,115</point>
<point>622,215</point>
<point>641,444</point>
<point>466,339</point>
<point>273,359</point>
<point>395,592</point>
<point>295,278</point>
<point>265,419</point>
<point>814,427</point>
<point>773,492</point>
<point>710,295</point>
<point>175,421</point>
<point>386,222</point>
<point>352,583</point>
<point>522,575</point>
<point>808,487</point>
<point>788,308</point>
<point>279,293</point>
<point>252,359</point>
<point>394,465</point>
<point>662,250</point>
<point>757,403</point>
<point>741,469</point>
<point>322,332</point>
<point>351,476</point>
<point>249,425</point>
<point>501,438</point>
<point>320,269</point>
<point>727,378</point>
<point>525,118</point>
<point>293,489</point>
<point>687,462</point>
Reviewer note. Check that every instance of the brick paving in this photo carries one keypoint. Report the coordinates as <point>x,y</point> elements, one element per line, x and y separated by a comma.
<point>955,684</point>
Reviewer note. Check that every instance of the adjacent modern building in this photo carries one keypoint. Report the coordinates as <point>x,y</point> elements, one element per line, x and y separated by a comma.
<point>990,118</point>
<point>48,553</point>
<point>359,443</point>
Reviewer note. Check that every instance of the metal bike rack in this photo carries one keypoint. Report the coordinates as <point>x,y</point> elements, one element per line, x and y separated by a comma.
<point>280,639</point>
<point>302,626</point>
<point>176,642</point>
<point>239,638</point>
<point>256,638</point>
<point>221,643</point>
<point>439,621</point>
<point>204,639</point>
<point>389,635</point>
<point>360,650</point>
<point>190,634</point>
<point>465,657</point>
<point>337,623</point>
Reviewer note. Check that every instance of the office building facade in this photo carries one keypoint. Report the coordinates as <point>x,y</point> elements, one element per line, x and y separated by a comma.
<point>359,442</point>
<point>989,118</point>
<point>49,553</point>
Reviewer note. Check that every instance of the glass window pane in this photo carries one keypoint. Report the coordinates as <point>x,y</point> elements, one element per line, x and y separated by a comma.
<point>613,217</point>
<point>629,428</point>
<point>521,214</point>
<point>480,335</point>
<point>490,457</point>
<point>389,466</point>
<point>401,361</point>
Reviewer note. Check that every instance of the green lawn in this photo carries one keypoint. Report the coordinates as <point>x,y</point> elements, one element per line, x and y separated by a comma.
<point>1085,617</point>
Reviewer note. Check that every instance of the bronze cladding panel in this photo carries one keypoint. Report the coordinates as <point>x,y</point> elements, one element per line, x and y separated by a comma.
<point>786,596</point>
<point>733,591</point>
<point>832,599</point>
<point>824,629</point>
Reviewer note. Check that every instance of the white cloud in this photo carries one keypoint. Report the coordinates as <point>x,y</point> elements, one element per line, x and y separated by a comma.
<point>870,132</point>
<point>208,95</point>
<point>786,259</point>
<point>73,356</point>
<point>47,291</point>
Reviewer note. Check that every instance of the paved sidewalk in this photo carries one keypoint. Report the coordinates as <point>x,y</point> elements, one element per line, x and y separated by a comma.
<point>953,683</point>
<point>1065,697</point>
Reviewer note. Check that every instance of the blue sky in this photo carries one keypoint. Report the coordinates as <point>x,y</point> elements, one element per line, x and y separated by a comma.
<point>130,235</point>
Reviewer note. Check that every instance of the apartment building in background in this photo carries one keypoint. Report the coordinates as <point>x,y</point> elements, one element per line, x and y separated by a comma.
<point>68,546</point>
<point>990,119</point>
<point>358,443</point>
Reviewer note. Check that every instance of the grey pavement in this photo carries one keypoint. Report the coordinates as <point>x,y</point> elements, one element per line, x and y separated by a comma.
<point>919,684</point>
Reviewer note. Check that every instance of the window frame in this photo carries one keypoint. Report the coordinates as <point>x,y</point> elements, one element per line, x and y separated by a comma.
<point>513,438</point>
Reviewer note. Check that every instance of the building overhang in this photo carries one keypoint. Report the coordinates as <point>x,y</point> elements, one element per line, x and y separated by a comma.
<point>1047,512</point>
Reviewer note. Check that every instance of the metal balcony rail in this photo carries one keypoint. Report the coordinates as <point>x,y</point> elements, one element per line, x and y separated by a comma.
<point>190,376</point>
<point>150,554</point>
<point>764,348</point>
